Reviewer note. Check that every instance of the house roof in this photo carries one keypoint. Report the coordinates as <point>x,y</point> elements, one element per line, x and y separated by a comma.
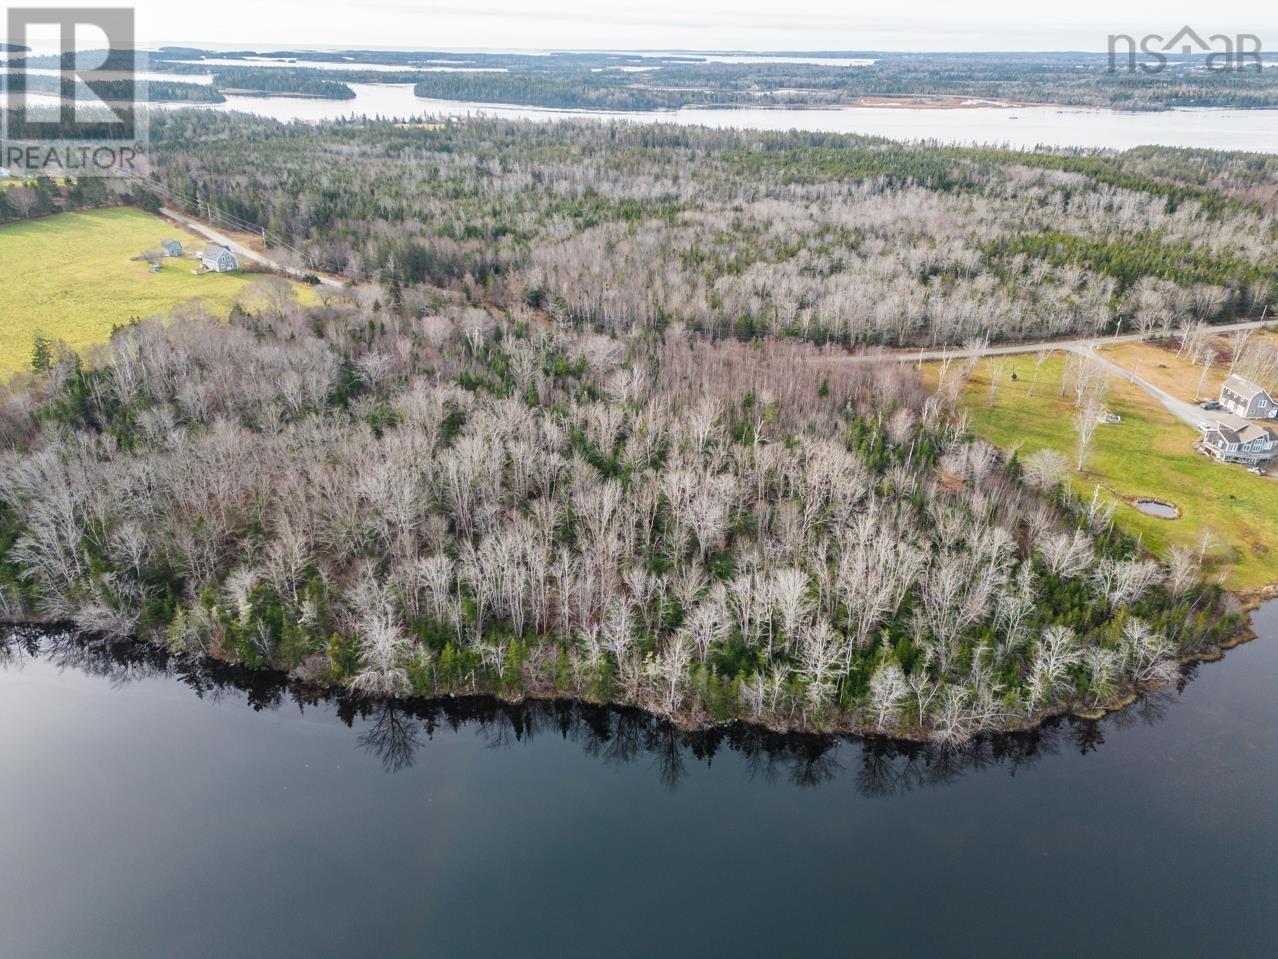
<point>1225,433</point>
<point>1253,431</point>
<point>1235,429</point>
<point>1243,387</point>
<point>214,250</point>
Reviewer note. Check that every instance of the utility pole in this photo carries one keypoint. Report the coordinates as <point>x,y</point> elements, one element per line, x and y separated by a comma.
<point>1207,358</point>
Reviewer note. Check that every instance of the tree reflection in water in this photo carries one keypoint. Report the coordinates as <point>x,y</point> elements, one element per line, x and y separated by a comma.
<point>395,731</point>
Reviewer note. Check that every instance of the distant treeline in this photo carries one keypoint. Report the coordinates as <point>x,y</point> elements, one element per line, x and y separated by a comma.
<point>281,81</point>
<point>618,81</point>
<point>154,91</point>
<point>569,93</point>
<point>285,81</point>
<point>40,196</point>
<point>614,81</point>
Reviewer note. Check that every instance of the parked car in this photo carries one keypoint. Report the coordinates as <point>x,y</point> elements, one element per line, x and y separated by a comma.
<point>1209,405</point>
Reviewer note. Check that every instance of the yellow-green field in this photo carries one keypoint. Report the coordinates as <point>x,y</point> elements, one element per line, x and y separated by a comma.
<point>74,276</point>
<point>1166,370</point>
<point>1149,454</point>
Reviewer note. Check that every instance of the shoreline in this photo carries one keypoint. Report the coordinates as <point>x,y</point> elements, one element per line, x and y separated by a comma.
<point>691,721</point>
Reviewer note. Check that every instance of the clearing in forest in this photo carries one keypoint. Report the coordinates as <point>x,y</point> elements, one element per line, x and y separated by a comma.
<point>74,276</point>
<point>1148,454</point>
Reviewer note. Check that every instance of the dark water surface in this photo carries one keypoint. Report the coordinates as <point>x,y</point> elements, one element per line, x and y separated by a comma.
<point>155,809</point>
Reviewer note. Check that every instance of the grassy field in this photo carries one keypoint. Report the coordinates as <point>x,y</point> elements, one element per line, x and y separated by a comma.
<point>1160,365</point>
<point>1163,368</point>
<point>73,277</point>
<point>1149,454</point>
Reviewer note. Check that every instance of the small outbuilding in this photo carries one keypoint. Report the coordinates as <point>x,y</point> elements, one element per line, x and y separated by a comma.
<point>219,259</point>
<point>171,247</point>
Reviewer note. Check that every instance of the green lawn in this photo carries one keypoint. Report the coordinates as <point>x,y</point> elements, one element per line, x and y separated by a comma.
<point>1149,454</point>
<point>73,277</point>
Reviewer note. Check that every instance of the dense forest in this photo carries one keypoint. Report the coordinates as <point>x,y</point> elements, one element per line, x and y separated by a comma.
<point>840,239</point>
<point>418,496</point>
<point>581,425</point>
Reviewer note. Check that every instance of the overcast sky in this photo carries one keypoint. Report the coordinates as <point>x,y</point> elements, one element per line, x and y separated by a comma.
<point>686,24</point>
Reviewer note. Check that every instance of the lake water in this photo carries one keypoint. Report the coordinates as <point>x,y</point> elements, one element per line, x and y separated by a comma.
<point>459,67</point>
<point>150,808</point>
<point>1022,128</point>
<point>204,78</point>
<point>1018,128</point>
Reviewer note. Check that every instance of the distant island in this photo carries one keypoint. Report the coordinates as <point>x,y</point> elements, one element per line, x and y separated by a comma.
<point>244,81</point>
<point>155,91</point>
<point>631,82</point>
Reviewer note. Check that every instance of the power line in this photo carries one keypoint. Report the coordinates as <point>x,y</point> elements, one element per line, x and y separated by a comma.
<point>227,219</point>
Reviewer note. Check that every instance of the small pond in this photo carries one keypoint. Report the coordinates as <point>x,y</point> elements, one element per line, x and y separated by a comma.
<point>1156,507</point>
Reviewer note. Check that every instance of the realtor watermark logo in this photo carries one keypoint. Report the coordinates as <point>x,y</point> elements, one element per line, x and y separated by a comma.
<point>80,118</point>
<point>1152,52</point>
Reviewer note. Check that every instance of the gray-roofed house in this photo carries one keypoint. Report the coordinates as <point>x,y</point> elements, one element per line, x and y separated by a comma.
<point>1245,398</point>
<point>219,259</point>
<point>171,247</point>
<point>1233,440</point>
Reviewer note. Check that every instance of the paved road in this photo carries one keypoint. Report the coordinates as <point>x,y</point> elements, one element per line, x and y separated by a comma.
<point>1186,412</point>
<point>239,249</point>
<point>1089,343</point>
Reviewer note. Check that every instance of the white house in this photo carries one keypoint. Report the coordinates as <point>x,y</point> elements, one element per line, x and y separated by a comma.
<point>219,259</point>
<point>1244,398</point>
<point>1231,440</point>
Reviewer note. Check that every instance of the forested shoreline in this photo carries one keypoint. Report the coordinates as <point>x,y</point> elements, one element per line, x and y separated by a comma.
<point>613,734</point>
<point>582,425</point>
<point>463,502</point>
<point>280,83</point>
<point>657,81</point>
<point>232,79</point>
<point>152,91</point>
